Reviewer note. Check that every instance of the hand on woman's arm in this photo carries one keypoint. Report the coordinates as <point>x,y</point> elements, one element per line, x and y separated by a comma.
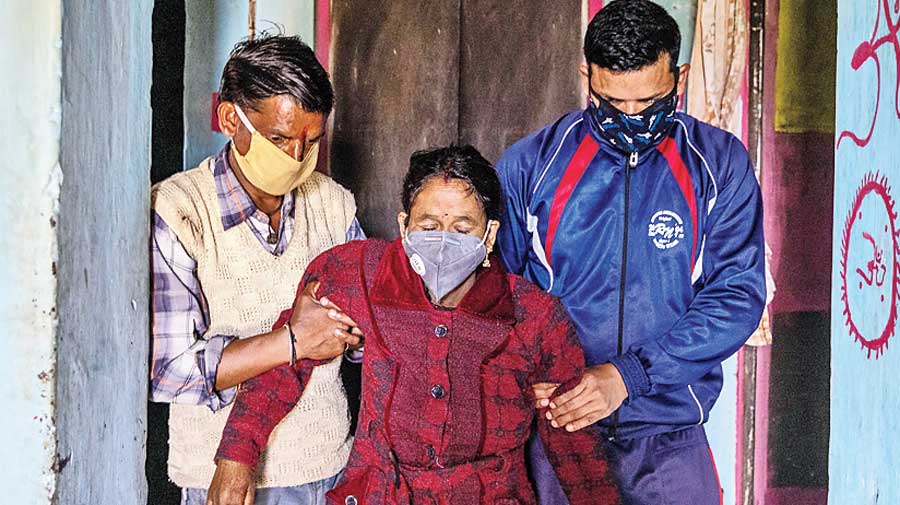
<point>323,331</point>
<point>232,484</point>
<point>266,399</point>
<point>599,394</point>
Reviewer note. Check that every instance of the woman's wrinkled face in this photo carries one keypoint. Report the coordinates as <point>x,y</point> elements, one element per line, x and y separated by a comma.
<point>447,205</point>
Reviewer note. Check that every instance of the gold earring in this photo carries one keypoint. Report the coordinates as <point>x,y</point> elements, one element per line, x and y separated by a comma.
<point>487,259</point>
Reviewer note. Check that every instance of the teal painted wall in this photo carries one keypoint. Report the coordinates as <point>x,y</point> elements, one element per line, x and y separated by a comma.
<point>213,27</point>
<point>73,274</point>
<point>865,398</point>
<point>685,13</point>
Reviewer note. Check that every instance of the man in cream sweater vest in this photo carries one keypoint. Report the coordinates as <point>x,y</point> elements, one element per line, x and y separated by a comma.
<point>231,239</point>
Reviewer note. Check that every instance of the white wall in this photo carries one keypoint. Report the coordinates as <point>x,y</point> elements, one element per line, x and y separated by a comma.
<point>29,191</point>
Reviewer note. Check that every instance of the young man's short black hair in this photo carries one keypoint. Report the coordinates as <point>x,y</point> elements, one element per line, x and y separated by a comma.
<point>629,35</point>
<point>274,65</point>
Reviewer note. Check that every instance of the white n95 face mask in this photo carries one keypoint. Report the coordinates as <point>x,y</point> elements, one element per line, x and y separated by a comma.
<point>444,259</point>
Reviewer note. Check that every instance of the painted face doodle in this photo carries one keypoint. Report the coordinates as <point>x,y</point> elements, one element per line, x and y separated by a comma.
<point>870,272</point>
<point>875,269</point>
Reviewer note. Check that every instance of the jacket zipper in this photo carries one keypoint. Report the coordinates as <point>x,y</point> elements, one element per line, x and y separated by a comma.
<point>630,164</point>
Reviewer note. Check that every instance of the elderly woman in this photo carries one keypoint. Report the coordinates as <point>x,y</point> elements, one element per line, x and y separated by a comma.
<point>453,346</point>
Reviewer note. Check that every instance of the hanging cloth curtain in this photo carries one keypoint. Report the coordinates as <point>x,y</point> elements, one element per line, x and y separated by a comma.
<point>718,64</point>
<point>715,86</point>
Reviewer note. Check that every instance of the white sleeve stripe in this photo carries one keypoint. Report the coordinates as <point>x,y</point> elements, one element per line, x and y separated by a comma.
<point>698,265</point>
<point>699,406</point>
<point>712,201</point>
<point>538,247</point>
<point>532,221</point>
<point>555,154</point>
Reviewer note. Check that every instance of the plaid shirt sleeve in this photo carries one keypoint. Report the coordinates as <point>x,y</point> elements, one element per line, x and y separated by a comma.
<point>355,231</point>
<point>578,458</point>
<point>184,361</point>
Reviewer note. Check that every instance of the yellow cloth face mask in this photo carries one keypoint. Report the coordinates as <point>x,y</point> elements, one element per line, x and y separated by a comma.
<point>269,168</point>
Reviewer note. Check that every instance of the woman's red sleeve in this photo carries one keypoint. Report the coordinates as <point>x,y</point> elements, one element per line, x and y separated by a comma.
<point>263,401</point>
<point>578,458</point>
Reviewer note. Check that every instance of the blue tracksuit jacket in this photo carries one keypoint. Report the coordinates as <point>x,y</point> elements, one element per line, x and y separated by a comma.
<point>658,258</point>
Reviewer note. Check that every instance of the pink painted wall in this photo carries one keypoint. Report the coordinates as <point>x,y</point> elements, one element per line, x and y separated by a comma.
<point>797,182</point>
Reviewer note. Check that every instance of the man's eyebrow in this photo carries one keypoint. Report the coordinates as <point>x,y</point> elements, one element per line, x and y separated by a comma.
<point>277,132</point>
<point>646,99</point>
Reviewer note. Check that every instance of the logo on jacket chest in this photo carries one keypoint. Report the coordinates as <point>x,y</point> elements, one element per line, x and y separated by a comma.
<point>666,229</point>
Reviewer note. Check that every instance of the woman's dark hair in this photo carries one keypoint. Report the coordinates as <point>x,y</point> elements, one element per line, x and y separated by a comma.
<point>455,162</point>
<point>631,34</point>
<point>273,65</point>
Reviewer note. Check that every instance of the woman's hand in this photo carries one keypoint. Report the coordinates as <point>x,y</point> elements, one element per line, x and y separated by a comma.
<point>232,484</point>
<point>323,331</point>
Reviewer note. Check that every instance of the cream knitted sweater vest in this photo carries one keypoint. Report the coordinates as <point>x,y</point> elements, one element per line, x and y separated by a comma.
<point>246,288</point>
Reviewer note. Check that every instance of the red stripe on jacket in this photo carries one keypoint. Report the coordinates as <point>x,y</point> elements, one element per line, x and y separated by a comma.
<point>577,165</point>
<point>670,151</point>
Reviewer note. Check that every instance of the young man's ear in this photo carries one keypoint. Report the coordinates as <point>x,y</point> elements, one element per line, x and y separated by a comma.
<point>683,72</point>
<point>585,82</point>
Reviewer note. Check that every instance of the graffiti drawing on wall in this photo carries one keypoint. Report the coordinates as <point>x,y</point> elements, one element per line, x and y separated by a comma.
<point>864,398</point>
<point>867,51</point>
<point>870,272</point>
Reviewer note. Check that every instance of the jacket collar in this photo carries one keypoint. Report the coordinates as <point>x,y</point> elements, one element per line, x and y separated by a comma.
<point>397,285</point>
